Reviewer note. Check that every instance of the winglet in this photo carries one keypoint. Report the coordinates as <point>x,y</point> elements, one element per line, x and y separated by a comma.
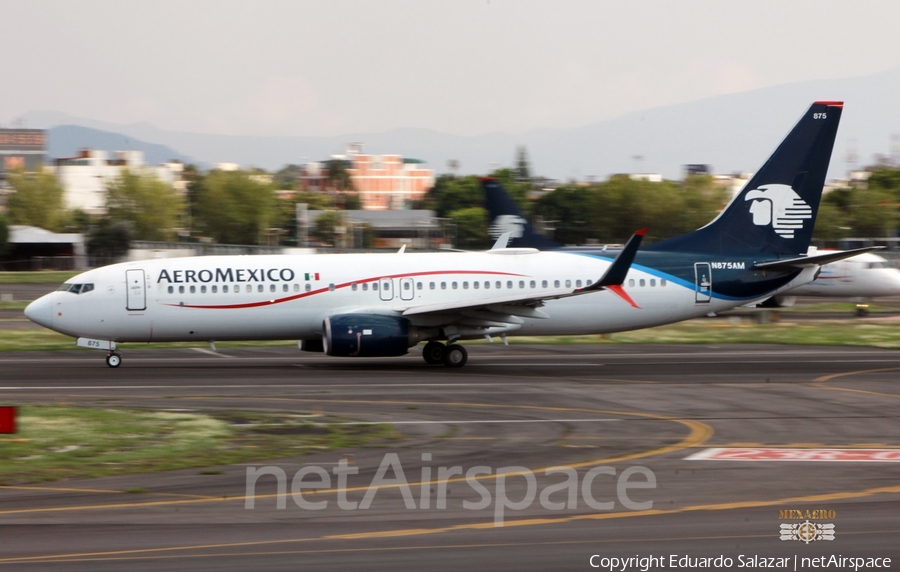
<point>502,241</point>
<point>618,270</point>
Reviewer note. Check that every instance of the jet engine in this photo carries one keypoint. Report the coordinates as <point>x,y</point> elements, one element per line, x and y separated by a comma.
<point>368,335</point>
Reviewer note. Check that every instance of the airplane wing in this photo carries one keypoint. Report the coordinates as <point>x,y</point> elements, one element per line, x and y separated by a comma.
<point>514,305</point>
<point>815,260</point>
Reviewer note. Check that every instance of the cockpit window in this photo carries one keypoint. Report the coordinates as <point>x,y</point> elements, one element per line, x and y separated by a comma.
<point>877,265</point>
<point>76,288</point>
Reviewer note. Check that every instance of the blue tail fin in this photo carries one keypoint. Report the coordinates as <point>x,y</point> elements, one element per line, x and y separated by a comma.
<point>775,212</point>
<point>506,216</point>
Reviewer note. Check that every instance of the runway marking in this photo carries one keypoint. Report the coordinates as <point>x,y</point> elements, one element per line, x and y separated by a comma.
<point>699,433</point>
<point>787,454</point>
<point>212,353</point>
<point>478,422</point>
<point>820,382</point>
<point>488,525</point>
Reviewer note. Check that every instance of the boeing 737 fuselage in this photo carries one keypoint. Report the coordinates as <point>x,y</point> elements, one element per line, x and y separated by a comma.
<point>383,304</point>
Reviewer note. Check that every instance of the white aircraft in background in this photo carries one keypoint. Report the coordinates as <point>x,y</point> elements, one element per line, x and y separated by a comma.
<point>859,278</point>
<point>374,305</point>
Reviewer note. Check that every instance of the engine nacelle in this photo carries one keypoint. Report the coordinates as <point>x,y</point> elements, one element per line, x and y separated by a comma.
<point>368,335</point>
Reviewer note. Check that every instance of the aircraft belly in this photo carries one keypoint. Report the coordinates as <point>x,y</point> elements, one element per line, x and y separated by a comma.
<point>267,323</point>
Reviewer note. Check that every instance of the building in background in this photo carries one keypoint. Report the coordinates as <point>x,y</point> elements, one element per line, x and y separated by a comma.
<point>85,177</point>
<point>384,182</point>
<point>22,149</point>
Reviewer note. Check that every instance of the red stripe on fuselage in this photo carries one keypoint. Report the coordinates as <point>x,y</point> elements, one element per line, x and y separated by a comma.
<point>336,287</point>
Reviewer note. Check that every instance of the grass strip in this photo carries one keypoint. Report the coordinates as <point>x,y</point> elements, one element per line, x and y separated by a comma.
<point>57,442</point>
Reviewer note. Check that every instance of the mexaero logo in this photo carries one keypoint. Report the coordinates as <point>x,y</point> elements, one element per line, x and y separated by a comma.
<point>507,223</point>
<point>779,206</point>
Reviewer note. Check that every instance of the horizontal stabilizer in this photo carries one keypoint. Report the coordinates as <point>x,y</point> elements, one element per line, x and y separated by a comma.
<point>818,259</point>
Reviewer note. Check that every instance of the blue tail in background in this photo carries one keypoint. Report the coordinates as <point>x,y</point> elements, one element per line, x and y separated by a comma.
<point>773,215</point>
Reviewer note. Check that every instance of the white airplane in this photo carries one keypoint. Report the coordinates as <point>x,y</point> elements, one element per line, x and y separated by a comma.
<point>374,305</point>
<point>859,278</point>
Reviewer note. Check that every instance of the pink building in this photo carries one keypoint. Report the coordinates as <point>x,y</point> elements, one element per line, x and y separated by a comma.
<point>383,182</point>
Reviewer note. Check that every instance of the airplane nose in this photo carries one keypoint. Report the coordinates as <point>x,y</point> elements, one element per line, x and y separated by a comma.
<point>40,311</point>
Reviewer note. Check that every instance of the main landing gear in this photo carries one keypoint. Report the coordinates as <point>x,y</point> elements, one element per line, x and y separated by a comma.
<point>114,359</point>
<point>452,355</point>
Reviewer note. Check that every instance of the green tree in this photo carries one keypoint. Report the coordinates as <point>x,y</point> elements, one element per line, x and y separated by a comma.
<point>471,227</point>
<point>108,240</point>
<point>339,174</point>
<point>38,200</point>
<point>4,237</point>
<point>287,177</point>
<point>323,229</point>
<point>233,208</point>
<point>832,223</point>
<point>874,213</point>
<point>150,206</point>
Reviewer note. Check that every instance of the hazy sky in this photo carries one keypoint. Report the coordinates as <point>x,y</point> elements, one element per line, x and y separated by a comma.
<point>466,67</point>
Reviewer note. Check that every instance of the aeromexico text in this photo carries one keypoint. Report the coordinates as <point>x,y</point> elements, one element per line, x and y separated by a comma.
<point>228,275</point>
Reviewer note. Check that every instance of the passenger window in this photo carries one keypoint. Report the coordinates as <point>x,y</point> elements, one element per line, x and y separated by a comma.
<point>431,285</point>
<point>631,282</point>
<point>578,283</point>
<point>225,288</point>
<point>533,284</point>
<point>443,285</point>
<point>406,286</point>
<point>353,287</point>
<point>171,289</point>
<point>521,283</point>
<point>271,287</point>
<point>181,289</point>
<point>642,282</point>
<point>556,283</point>
<point>215,289</point>
<point>284,288</point>
<point>662,282</point>
<point>249,288</point>
<point>475,284</point>
<point>193,289</point>
<point>455,286</point>
<point>375,286</point>
<point>588,282</point>
<point>509,284</point>
<point>308,287</point>
<point>498,285</point>
<point>568,283</point>
<point>419,285</point>
<point>365,286</point>
<point>203,289</point>
<point>653,282</point>
<point>259,288</point>
<point>296,287</point>
<point>331,287</point>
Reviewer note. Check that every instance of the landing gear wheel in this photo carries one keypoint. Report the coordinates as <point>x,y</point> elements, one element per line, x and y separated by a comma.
<point>434,352</point>
<point>113,360</point>
<point>455,356</point>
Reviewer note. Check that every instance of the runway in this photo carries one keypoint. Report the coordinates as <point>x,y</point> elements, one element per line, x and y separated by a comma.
<point>615,426</point>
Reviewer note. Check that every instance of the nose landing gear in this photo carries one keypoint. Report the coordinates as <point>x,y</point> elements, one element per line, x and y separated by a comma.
<point>114,359</point>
